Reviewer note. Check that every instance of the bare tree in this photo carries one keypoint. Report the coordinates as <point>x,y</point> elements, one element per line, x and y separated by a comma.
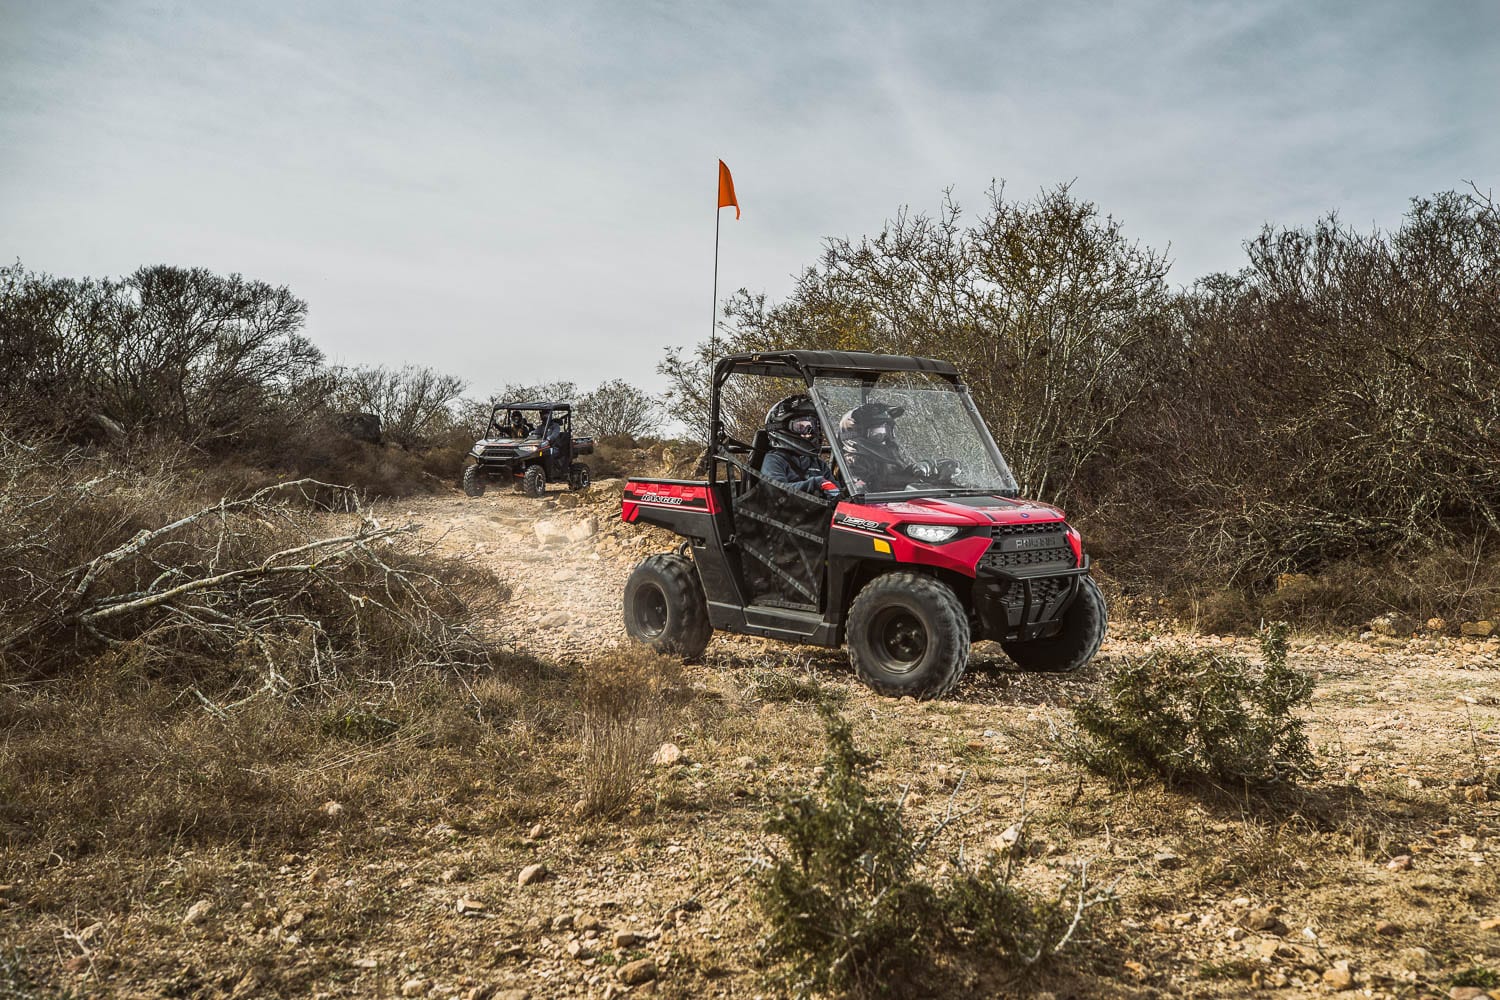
<point>1045,307</point>
<point>183,352</point>
<point>617,408</point>
<point>414,402</point>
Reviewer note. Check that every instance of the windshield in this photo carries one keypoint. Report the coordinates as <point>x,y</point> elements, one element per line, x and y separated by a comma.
<point>907,434</point>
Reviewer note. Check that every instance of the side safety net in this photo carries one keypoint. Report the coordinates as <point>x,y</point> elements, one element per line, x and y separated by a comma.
<point>782,536</point>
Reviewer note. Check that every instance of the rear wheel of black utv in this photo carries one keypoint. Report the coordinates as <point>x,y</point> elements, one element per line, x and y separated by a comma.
<point>665,607</point>
<point>578,477</point>
<point>473,481</point>
<point>1082,634</point>
<point>535,482</point>
<point>908,635</point>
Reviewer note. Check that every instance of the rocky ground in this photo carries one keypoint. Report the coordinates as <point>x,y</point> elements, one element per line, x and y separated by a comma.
<point>1380,880</point>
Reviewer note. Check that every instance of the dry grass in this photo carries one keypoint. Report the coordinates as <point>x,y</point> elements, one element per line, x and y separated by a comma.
<point>625,715</point>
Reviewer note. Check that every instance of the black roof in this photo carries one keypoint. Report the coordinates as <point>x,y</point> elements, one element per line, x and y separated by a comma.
<point>533,406</point>
<point>812,363</point>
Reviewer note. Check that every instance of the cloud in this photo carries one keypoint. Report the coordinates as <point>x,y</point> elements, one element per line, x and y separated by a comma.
<point>523,192</point>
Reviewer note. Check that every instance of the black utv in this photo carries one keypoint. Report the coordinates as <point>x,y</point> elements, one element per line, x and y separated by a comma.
<point>528,445</point>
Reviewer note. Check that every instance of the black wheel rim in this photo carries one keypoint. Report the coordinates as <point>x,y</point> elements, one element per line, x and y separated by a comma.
<point>650,611</point>
<point>899,639</point>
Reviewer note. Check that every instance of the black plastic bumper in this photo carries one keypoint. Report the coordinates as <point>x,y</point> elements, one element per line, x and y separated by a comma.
<point>1025,604</point>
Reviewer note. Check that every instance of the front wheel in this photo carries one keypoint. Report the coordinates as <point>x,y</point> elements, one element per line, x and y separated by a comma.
<point>908,635</point>
<point>1082,634</point>
<point>534,483</point>
<point>578,477</point>
<point>473,482</point>
<point>665,607</point>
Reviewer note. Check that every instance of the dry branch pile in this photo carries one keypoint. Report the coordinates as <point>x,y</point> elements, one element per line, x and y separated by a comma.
<point>272,590</point>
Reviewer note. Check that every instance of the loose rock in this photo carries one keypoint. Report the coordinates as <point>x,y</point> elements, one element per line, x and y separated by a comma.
<point>198,912</point>
<point>1339,977</point>
<point>413,988</point>
<point>1415,959</point>
<point>531,874</point>
<point>667,755</point>
<point>1265,919</point>
<point>636,973</point>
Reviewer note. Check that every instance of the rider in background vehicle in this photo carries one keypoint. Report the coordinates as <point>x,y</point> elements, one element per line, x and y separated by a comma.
<point>793,460</point>
<point>548,432</point>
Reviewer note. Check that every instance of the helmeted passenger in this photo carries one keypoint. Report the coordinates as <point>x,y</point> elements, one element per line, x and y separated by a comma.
<point>796,437</point>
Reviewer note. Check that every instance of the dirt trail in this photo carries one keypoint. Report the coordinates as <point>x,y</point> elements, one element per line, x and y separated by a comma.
<point>566,578</point>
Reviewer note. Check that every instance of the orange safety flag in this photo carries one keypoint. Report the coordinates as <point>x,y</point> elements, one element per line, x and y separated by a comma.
<point>726,190</point>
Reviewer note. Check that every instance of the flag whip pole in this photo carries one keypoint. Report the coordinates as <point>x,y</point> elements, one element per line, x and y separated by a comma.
<point>713,326</point>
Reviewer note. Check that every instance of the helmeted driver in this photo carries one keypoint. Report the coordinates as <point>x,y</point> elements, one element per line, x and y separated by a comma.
<point>872,456</point>
<point>793,460</point>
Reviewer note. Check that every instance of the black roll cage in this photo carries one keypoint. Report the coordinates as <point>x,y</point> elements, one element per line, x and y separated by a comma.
<point>867,366</point>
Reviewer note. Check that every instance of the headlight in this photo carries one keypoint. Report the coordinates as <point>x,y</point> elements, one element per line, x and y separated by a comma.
<point>930,532</point>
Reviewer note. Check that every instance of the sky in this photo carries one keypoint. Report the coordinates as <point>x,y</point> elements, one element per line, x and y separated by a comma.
<point>523,192</point>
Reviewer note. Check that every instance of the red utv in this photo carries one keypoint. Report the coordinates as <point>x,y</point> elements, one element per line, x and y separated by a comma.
<point>919,557</point>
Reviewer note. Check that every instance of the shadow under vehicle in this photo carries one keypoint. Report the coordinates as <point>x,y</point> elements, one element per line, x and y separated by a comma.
<point>908,575</point>
<point>528,445</point>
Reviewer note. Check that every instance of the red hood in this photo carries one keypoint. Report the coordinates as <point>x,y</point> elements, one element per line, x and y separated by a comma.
<point>956,510</point>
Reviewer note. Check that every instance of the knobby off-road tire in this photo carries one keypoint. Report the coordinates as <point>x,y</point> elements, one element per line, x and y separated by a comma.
<point>908,635</point>
<point>1083,628</point>
<point>578,477</point>
<point>473,482</point>
<point>665,607</point>
<point>534,483</point>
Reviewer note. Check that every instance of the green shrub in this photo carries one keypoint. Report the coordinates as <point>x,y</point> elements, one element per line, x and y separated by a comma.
<point>1184,714</point>
<point>849,911</point>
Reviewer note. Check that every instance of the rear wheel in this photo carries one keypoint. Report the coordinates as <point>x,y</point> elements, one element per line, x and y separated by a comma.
<point>578,477</point>
<point>665,607</point>
<point>908,635</point>
<point>534,484</point>
<point>1082,634</point>
<point>473,481</point>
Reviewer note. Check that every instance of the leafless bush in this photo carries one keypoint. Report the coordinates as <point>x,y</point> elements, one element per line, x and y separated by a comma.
<point>616,408</point>
<point>171,351</point>
<point>625,715</point>
<point>414,402</point>
<point>1043,305</point>
<point>1335,401</point>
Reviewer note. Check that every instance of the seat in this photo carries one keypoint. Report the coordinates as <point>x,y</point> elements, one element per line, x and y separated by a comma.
<point>758,448</point>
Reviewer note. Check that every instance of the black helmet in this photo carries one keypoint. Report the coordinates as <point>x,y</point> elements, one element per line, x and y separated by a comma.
<point>793,424</point>
<point>870,428</point>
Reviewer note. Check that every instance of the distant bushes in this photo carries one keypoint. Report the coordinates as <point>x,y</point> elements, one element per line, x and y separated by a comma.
<point>216,367</point>
<point>1332,404</point>
<point>178,353</point>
